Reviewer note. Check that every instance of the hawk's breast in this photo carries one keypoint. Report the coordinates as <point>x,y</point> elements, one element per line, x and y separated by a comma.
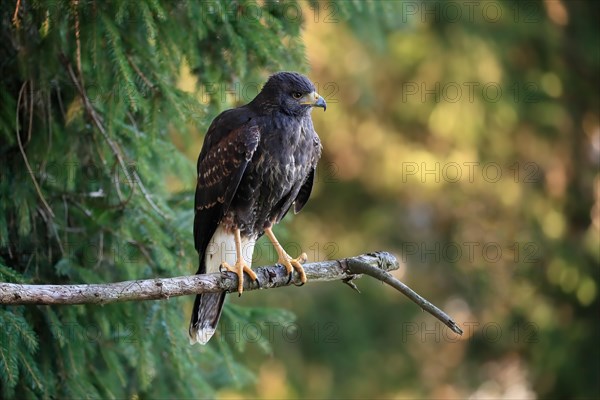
<point>279,167</point>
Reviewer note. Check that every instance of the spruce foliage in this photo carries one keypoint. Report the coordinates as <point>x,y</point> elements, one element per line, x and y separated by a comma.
<point>90,106</point>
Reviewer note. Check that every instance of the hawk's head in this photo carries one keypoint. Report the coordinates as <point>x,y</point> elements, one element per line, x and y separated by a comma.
<point>292,92</point>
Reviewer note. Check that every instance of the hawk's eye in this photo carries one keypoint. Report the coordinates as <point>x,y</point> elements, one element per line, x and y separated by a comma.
<point>296,95</point>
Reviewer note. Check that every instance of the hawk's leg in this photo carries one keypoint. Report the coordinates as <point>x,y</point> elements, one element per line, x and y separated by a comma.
<point>285,259</point>
<point>240,265</point>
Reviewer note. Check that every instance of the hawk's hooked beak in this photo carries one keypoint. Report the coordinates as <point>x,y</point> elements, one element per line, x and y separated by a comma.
<point>315,100</point>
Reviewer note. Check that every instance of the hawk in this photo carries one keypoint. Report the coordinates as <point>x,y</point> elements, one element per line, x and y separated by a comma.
<point>257,162</point>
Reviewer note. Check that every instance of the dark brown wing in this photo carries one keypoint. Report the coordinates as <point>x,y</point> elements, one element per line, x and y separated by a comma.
<point>307,185</point>
<point>304,192</point>
<point>221,165</point>
<point>301,193</point>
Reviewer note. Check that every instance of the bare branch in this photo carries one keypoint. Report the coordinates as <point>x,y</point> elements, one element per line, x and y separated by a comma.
<point>376,265</point>
<point>386,277</point>
<point>15,18</point>
<point>22,149</point>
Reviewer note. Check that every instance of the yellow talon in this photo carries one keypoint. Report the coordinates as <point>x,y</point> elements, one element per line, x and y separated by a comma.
<point>285,259</point>
<point>239,268</point>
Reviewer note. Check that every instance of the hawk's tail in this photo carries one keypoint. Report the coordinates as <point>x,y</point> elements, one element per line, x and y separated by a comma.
<point>205,316</point>
<point>207,307</point>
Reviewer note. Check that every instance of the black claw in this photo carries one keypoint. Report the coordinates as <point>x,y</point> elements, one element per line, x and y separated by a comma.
<point>300,284</point>
<point>290,275</point>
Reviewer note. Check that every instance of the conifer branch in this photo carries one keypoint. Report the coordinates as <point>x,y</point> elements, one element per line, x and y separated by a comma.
<point>376,265</point>
<point>97,119</point>
<point>141,74</point>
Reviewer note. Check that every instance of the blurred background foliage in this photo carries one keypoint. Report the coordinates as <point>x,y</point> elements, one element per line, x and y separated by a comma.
<point>462,136</point>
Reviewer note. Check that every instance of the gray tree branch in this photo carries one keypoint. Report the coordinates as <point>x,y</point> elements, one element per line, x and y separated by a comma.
<point>376,265</point>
